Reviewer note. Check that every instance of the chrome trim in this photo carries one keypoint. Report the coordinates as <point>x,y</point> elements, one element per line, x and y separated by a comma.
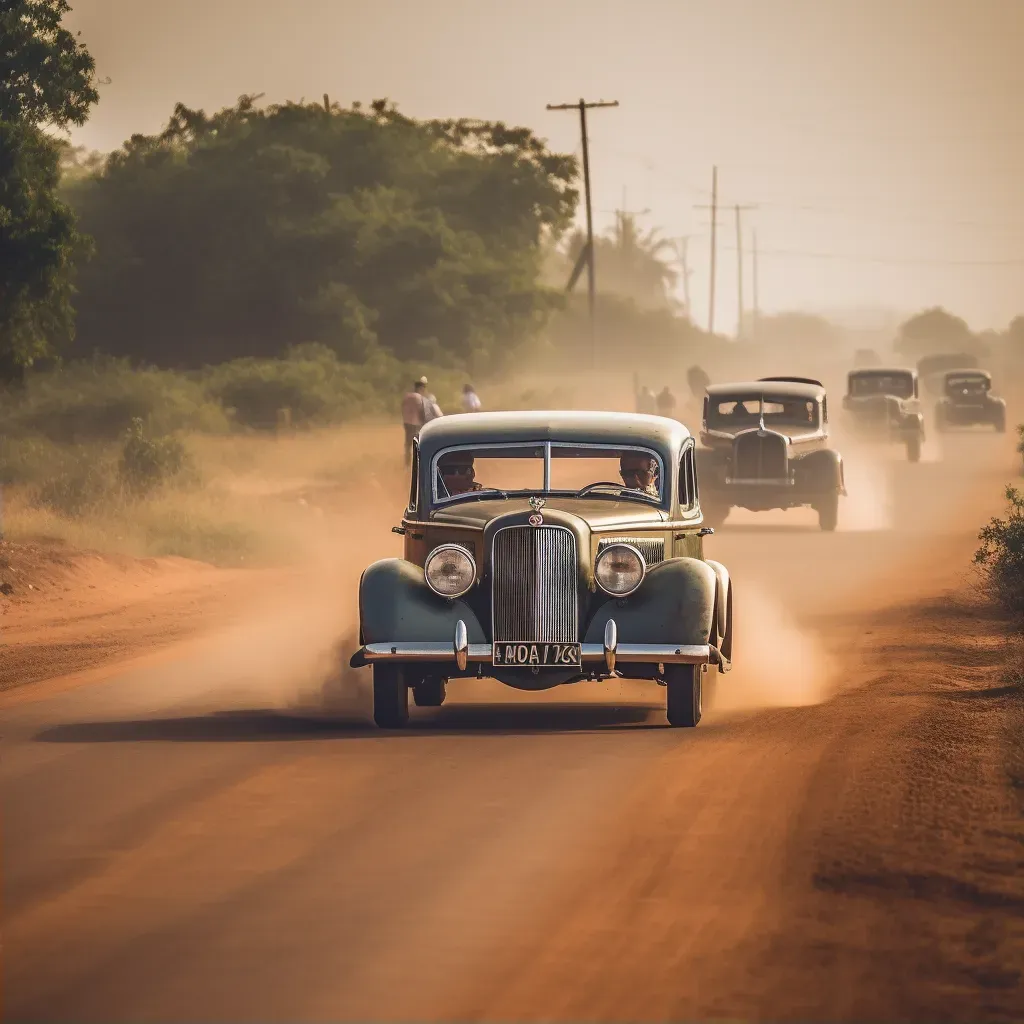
<point>534,585</point>
<point>445,547</point>
<point>670,654</point>
<point>461,645</point>
<point>611,644</point>
<point>643,568</point>
<point>759,482</point>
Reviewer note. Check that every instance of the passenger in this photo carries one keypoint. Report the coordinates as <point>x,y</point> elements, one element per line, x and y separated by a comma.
<point>639,473</point>
<point>458,473</point>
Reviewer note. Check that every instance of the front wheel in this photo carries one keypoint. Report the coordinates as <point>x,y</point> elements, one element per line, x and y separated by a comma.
<point>430,693</point>
<point>914,448</point>
<point>390,697</point>
<point>683,686</point>
<point>828,513</point>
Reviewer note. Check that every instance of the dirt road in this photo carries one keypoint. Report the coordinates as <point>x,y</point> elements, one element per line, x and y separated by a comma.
<point>839,839</point>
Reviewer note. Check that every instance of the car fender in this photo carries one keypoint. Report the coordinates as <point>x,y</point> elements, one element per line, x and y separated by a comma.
<point>675,604</point>
<point>723,598</point>
<point>395,603</point>
<point>820,471</point>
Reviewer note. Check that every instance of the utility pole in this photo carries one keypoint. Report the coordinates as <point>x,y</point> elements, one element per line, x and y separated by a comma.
<point>583,106</point>
<point>757,306</point>
<point>714,248</point>
<point>739,270</point>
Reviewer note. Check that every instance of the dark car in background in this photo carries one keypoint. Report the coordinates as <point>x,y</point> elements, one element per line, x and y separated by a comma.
<point>882,404</point>
<point>931,370</point>
<point>766,446</point>
<point>968,401</point>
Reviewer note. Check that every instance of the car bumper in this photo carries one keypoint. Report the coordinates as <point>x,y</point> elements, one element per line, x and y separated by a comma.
<point>605,654</point>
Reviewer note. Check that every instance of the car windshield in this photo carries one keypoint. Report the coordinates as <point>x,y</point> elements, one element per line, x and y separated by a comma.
<point>468,472</point>
<point>737,412</point>
<point>971,383</point>
<point>899,384</point>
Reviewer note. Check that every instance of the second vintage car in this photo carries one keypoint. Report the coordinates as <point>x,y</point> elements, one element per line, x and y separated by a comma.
<point>967,400</point>
<point>543,548</point>
<point>882,403</point>
<point>765,446</point>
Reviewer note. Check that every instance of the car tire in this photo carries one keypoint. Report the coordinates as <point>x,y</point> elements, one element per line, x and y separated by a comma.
<point>683,694</point>
<point>430,693</point>
<point>914,448</point>
<point>828,513</point>
<point>390,697</point>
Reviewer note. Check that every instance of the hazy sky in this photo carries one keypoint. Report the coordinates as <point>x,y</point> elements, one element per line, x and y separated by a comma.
<point>881,140</point>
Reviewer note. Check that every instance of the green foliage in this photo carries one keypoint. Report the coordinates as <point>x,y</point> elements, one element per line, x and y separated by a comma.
<point>146,462</point>
<point>38,245</point>
<point>1001,555</point>
<point>47,77</point>
<point>242,233</point>
<point>98,400</point>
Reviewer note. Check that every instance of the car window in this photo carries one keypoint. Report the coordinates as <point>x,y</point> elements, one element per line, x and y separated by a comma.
<point>740,411</point>
<point>520,469</point>
<point>901,385</point>
<point>687,481</point>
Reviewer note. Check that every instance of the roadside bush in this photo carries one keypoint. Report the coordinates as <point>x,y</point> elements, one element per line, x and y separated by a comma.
<point>147,462</point>
<point>1001,555</point>
<point>98,399</point>
<point>81,479</point>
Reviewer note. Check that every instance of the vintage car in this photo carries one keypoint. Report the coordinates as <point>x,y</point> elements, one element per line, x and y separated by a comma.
<point>765,446</point>
<point>544,548</point>
<point>968,400</point>
<point>931,369</point>
<point>882,403</point>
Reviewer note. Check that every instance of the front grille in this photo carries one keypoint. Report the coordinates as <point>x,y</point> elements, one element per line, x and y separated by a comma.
<point>760,456</point>
<point>533,588</point>
<point>652,548</point>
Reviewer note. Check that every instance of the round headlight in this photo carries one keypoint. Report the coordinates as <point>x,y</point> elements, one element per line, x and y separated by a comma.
<point>620,569</point>
<point>450,570</point>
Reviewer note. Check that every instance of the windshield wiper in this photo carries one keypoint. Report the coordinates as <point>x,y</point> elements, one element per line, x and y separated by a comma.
<point>487,492</point>
<point>624,494</point>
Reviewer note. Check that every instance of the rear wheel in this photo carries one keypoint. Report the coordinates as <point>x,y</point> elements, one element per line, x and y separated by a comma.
<point>390,697</point>
<point>828,512</point>
<point>430,693</point>
<point>683,686</point>
<point>914,448</point>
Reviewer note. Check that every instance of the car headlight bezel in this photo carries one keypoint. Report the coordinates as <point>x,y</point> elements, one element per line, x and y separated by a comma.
<point>620,548</point>
<point>468,576</point>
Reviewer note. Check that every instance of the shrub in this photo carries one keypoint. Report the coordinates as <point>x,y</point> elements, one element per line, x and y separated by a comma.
<point>148,462</point>
<point>1001,555</point>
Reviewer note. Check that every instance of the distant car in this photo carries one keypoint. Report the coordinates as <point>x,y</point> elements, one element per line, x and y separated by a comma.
<point>881,403</point>
<point>542,548</point>
<point>968,400</point>
<point>766,446</point>
<point>932,369</point>
<point>866,357</point>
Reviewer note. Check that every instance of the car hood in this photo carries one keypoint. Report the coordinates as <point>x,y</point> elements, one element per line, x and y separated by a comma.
<point>595,511</point>
<point>795,434</point>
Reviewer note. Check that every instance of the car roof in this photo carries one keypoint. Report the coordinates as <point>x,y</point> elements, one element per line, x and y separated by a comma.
<point>879,371</point>
<point>779,389</point>
<point>570,427</point>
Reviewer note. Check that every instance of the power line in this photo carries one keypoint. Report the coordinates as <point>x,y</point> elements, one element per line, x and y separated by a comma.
<point>583,106</point>
<point>739,268</point>
<point>885,260</point>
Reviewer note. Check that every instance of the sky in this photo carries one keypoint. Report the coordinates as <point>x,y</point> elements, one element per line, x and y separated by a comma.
<point>879,143</point>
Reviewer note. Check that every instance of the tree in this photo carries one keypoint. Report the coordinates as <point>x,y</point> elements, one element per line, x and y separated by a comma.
<point>47,79</point>
<point>249,230</point>
<point>934,331</point>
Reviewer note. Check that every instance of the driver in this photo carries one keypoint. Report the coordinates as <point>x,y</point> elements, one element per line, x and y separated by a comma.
<point>458,473</point>
<point>639,472</point>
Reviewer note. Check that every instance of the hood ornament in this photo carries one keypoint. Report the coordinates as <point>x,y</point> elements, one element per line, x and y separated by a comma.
<point>537,503</point>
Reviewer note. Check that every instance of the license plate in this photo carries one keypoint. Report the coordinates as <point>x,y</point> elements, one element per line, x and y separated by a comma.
<point>538,654</point>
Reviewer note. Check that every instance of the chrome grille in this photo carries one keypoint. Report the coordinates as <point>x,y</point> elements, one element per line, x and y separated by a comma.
<point>652,548</point>
<point>759,456</point>
<point>533,588</point>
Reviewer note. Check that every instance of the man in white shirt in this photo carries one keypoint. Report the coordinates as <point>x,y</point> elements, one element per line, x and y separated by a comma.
<point>470,399</point>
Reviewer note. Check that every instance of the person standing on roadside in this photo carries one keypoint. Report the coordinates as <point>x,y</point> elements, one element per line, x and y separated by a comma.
<point>470,399</point>
<point>414,407</point>
<point>666,402</point>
